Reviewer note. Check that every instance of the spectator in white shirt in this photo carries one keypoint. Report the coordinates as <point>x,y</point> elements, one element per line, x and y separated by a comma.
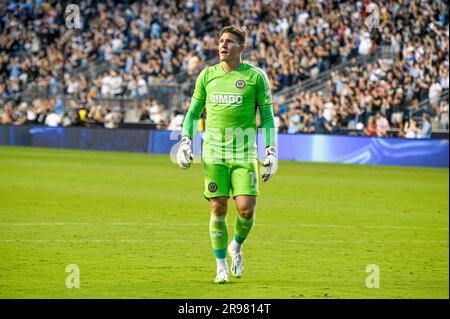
<point>411,129</point>
<point>141,85</point>
<point>365,45</point>
<point>106,84</point>
<point>155,112</point>
<point>115,83</point>
<point>176,123</point>
<point>434,93</point>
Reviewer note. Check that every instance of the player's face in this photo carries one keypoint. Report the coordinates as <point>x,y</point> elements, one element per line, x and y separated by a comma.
<point>229,47</point>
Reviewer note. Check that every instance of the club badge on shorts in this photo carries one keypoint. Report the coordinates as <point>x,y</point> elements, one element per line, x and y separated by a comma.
<point>240,84</point>
<point>212,187</point>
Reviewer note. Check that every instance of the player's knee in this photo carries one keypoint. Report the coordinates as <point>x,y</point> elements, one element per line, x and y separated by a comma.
<point>219,206</point>
<point>246,211</point>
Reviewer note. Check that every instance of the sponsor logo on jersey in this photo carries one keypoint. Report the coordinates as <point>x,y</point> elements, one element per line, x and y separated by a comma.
<point>240,84</point>
<point>226,98</point>
<point>212,84</point>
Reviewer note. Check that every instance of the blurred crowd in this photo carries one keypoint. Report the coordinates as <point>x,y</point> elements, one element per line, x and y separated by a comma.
<point>314,113</point>
<point>155,41</point>
<point>381,96</point>
<point>166,42</point>
<point>53,112</point>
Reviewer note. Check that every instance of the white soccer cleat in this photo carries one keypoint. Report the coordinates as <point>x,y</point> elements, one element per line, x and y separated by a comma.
<point>237,265</point>
<point>221,277</point>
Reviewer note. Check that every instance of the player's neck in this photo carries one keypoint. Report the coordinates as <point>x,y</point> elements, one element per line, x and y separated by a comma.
<point>230,66</point>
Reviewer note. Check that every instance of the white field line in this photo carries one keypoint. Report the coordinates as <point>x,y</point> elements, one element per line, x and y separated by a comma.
<point>150,241</point>
<point>412,241</point>
<point>101,224</point>
<point>90,241</point>
<point>24,224</point>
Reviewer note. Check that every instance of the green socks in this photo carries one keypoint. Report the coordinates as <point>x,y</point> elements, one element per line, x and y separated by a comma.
<point>242,228</point>
<point>219,235</point>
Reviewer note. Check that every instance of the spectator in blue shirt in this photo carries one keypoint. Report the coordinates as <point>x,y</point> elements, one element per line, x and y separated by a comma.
<point>425,132</point>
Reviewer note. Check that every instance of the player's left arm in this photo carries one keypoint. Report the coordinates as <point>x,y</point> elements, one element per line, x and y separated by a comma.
<point>265,106</point>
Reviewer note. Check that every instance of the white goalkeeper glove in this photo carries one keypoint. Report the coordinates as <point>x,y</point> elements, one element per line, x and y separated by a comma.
<point>270,163</point>
<point>184,153</point>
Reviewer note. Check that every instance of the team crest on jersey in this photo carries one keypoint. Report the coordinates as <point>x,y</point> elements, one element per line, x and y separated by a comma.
<point>212,187</point>
<point>240,84</point>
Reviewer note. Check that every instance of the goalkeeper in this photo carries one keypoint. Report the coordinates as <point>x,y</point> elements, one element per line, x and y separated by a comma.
<point>231,91</point>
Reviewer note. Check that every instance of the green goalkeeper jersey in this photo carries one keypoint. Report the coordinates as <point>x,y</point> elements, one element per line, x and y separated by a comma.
<point>231,100</point>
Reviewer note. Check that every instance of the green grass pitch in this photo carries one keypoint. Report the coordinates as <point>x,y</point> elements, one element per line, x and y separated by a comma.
<point>137,227</point>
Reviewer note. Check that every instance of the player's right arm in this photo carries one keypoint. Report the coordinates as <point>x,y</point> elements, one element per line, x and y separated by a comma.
<point>184,154</point>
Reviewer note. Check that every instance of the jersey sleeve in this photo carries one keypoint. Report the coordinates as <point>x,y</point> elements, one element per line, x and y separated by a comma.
<point>264,102</point>
<point>200,84</point>
<point>196,107</point>
<point>263,91</point>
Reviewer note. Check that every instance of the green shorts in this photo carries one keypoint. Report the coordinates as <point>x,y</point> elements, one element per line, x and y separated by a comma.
<point>221,179</point>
